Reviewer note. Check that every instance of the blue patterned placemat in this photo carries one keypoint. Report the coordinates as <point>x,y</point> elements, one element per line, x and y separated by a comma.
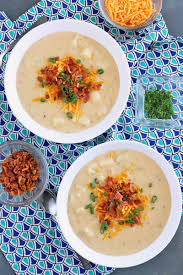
<point>30,238</point>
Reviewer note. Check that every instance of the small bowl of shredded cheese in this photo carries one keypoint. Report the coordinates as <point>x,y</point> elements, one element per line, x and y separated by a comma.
<point>130,14</point>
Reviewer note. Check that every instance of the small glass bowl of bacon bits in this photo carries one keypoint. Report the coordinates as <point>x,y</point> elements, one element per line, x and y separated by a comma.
<point>130,14</point>
<point>23,173</point>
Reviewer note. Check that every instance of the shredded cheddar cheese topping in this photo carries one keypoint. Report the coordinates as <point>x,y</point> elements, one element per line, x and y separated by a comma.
<point>129,13</point>
<point>117,203</point>
<point>68,81</point>
<point>111,154</point>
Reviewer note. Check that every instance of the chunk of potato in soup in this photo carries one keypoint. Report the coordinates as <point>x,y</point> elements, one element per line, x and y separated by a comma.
<point>91,53</point>
<point>148,175</point>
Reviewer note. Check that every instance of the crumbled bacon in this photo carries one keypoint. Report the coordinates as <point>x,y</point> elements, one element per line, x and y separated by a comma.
<point>19,173</point>
<point>117,196</point>
<point>66,79</point>
<point>96,86</point>
<point>40,78</point>
<point>119,203</point>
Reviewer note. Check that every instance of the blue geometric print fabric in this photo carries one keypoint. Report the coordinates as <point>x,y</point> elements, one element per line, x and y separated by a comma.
<point>30,238</point>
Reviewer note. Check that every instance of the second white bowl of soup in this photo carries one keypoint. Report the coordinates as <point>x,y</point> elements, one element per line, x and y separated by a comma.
<point>67,81</point>
<point>119,204</point>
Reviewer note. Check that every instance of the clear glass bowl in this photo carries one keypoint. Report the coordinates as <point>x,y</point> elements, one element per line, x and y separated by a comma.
<point>173,84</point>
<point>157,5</point>
<point>6,149</point>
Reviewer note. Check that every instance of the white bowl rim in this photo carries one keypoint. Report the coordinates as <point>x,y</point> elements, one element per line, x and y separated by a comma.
<point>144,255</point>
<point>86,29</point>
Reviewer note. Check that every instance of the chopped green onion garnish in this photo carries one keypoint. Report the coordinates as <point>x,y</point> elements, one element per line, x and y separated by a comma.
<point>100,71</point>
<point>136,212</point>
<point>63,88</point>
<point>96,181</point>
<point>105,194</point>
<point>88,206</point>
<point>62,74</point>
<point>93,196</point>
<point>78,80</point>
<point>118,187</point>
<point>154,199</point>
<point>78,61</point>
<point>43,84</point>
<point>52,60</point>
<point>69,81</point>
<point>91,210</point>
<point>104,226</point>
<point>158,104</point>
<point>130,221</point>
<point>92,185</point>
<point>69,115</point>
<point>150,184</point>
<point>42,100</point>
<point>69,95</point>
<point>141,190</point>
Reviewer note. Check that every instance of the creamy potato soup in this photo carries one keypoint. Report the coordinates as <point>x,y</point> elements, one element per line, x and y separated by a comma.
<point>147,195</point>
<point>67,82</point>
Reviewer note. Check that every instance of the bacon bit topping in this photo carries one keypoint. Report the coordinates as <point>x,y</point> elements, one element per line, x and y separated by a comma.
<point>19,173</point>
<point>117,203</point>
<point>67,80</point>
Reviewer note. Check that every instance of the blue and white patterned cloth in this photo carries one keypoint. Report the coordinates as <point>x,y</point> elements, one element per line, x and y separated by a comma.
<point>30,238</point>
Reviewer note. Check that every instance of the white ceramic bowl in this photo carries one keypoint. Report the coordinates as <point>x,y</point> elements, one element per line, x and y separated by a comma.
<point>144,255</point>
<point>86,29</point>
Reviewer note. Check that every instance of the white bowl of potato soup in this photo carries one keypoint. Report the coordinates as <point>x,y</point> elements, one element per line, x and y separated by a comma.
<point>67,81</point>
<point>119,204</point>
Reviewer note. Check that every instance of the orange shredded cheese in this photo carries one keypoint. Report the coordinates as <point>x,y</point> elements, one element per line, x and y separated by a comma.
<point>66,81</point>
<point>25,169</point>
<point>131,171</point>
<point>118,203</point>
<point>92,55</point>
<point>111,155</point>
<point>129,13</point>
<point>37,99</point>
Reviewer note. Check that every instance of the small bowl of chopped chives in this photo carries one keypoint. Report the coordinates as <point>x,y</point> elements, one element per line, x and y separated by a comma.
<point>159,102</point>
